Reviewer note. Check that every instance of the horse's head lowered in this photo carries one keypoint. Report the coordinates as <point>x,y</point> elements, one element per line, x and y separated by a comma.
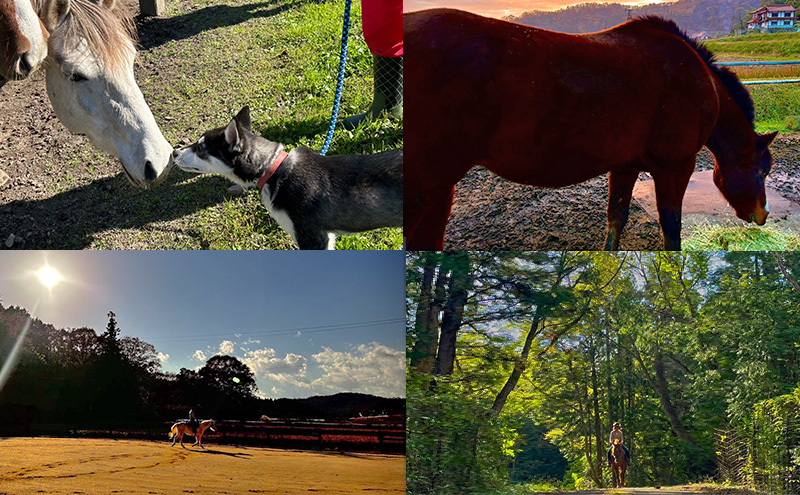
<point>92,87</point>
<point>23,40</point>
<point>742,184</point>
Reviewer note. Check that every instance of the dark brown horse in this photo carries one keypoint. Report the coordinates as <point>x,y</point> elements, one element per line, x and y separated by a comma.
<point>551,109</point>
<point>619,464</point>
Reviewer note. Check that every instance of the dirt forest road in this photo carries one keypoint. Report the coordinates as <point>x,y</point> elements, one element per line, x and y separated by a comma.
<point>101,466</point>
<point>666,490</point>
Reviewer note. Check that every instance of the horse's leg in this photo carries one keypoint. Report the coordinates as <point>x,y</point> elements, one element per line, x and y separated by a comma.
<point>670,189</point>
<point>620,189</point>
<point>428,234</point>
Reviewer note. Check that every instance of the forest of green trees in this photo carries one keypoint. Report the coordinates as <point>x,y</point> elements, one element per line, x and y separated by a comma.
<point>79,378</point>
<point>519,363</point>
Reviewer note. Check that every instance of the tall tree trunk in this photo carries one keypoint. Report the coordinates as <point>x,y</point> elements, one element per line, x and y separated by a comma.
<point>786,273</point>
<point>596,403</point>
<point>609,370</point>
<point>660,386</point>
<point>426,323</point>
<point>585,426</point>
<point>460,281</point>
<point>519,366</point>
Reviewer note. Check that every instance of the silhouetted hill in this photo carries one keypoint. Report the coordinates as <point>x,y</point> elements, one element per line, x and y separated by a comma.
<point>338,406</point>
<point>716,17</point>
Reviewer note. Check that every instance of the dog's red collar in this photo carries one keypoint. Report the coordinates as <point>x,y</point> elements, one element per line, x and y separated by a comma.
<point>272,168</point>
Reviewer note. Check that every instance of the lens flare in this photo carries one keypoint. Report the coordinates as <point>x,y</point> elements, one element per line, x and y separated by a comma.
<point>48,276</point>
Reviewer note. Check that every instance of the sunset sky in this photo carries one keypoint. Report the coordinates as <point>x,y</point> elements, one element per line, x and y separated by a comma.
<point>307,323</point>
<point>502,8</point>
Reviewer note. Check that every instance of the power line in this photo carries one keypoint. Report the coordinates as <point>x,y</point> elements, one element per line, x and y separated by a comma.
<point>289,331</point>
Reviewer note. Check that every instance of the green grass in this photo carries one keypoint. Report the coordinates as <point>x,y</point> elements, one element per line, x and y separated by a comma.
<point>773,103</point>
<point>719,238</point>
<point>777,46</point>
<point>281,59</point>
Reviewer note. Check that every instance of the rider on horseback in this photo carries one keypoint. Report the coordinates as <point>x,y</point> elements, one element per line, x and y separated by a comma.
<point>193,423</point>
<point>616,434</point>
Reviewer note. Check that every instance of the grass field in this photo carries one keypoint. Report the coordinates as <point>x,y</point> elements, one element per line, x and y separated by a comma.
<point>773,102</point>
<point>280,58</point>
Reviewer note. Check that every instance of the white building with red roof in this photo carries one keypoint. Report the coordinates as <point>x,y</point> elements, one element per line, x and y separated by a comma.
<point>773,17</point>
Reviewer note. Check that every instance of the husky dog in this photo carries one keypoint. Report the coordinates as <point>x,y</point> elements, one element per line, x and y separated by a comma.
<point>312,197</point>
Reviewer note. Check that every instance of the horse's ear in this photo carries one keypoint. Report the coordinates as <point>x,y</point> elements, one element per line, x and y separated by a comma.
<point>764,140</point>
<point>109,4</point>
<point>244,117</point>
<point>232,138</point>
<point>54,12</point>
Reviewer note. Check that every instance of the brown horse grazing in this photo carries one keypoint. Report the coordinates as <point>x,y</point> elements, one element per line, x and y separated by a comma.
<point>23,40</point>
<point>619,464</point>
<point>551,109</point>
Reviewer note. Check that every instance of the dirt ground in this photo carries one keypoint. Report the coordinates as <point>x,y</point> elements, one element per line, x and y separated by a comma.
<point>58,192</point>
<point>492,213</point>
<point>90,466</point>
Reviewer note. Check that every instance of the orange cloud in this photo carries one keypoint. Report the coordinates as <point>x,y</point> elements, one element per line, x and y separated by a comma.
<point>502,8</point>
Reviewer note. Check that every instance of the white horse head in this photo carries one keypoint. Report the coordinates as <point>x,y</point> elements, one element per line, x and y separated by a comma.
<point>92,89</point>
<point>23,39</point>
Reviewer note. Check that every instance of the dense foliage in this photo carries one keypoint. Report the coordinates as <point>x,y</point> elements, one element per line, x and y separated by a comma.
<point>671,345</point>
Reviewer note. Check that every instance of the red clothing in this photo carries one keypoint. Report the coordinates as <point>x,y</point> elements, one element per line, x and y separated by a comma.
<point>382,21</point>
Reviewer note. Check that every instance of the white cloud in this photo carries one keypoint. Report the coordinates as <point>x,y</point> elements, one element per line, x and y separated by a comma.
<point>265,365</point>
<point>163,357</point>
<point>371,369</point>
<point>226,347</point>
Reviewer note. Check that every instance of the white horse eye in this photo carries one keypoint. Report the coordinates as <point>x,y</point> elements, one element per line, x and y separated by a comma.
<point>75,77</point>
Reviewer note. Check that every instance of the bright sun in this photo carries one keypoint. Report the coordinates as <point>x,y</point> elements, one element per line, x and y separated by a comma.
<point>49,276</point>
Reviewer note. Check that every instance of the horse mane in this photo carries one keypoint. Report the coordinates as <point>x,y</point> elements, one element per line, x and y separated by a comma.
<point>108,31</point>
<point>727,77</point>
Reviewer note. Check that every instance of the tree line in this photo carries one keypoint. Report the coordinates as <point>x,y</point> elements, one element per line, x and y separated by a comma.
<point>716,17</point>
<point>519,363</point>
<point>81,378</point>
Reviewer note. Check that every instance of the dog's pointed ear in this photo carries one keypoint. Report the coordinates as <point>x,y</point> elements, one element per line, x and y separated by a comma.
<point>232,138</point>
<point>243,117</point>
<point>53,12</point>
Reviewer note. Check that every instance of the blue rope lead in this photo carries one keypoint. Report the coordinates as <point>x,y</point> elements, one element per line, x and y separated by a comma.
<point>340,78</point>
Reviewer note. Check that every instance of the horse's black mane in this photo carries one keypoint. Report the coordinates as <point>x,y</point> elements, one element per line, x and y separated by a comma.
<point>729,79</point>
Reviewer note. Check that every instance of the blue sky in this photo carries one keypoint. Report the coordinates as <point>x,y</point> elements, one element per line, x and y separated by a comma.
<point>307,323</point>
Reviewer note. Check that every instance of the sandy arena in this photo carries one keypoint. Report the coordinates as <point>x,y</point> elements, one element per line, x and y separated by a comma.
<point>92,466</point>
